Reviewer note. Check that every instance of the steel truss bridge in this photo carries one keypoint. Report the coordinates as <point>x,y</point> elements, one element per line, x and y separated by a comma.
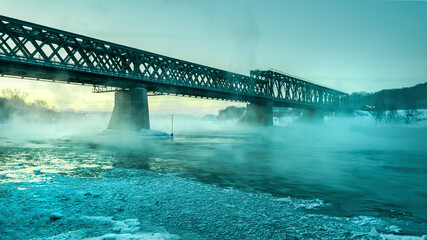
<point>29,50</point>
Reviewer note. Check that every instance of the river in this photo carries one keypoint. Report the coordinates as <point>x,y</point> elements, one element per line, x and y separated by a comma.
<point>370,176</point>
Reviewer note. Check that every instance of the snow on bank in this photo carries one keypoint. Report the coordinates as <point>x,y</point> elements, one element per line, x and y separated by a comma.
<point>126,229</point>
<point>396,237</point>
<point>138,204</point>
<point>418,118</point>
<point>142,236</point>
<point>306,204</point>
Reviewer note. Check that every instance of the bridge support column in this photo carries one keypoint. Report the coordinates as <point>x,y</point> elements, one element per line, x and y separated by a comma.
<point>311,116</point>
<point>130,110</point>
<point>259,113</point>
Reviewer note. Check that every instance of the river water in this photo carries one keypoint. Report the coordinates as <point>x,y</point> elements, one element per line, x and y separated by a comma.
<point>342,170</point>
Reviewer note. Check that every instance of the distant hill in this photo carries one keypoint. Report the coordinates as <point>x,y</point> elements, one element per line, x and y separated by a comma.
<point>402,98</point>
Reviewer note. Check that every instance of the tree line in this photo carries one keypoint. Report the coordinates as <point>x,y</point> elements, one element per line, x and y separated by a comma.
<point>392,99</point>
<point>13,102</point>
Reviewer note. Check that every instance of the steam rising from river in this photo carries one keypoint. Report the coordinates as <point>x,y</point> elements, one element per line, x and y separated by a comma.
<point>356,166</point>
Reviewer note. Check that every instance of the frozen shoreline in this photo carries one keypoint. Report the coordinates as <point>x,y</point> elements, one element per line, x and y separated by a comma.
<point>138,204</point>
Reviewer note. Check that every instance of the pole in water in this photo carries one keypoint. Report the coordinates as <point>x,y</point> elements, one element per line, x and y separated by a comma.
<point>172,127</point>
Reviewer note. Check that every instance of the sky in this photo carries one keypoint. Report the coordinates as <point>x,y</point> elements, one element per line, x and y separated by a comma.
<point>348,45</point>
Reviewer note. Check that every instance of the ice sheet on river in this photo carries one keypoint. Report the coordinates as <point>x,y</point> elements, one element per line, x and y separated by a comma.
<point>138,204</point>
<point>143,133</point>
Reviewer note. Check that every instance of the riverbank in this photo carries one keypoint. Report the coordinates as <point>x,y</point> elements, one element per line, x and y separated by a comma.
<point>138,204</point>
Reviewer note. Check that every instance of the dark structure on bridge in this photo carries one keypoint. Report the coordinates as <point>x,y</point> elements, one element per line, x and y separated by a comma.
<point>29,50</point>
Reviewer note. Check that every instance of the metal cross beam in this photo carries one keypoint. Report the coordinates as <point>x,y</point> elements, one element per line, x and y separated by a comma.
<point>31,50</point>
<point>286,90</point>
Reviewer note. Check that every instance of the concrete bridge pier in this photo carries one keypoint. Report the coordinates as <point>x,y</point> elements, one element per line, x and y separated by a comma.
<point>130,110</point>
<point>311,116</point>
<point>258,113</point>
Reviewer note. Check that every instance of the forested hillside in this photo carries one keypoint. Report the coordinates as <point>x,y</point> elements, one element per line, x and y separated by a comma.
<point>403,98</point>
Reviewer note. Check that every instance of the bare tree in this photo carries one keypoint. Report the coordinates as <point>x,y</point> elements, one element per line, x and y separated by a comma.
<point>392,114</point>
<point>13,94</point>
<point>411,115</point>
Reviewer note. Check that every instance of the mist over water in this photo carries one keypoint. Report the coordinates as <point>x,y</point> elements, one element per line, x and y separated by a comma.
<point>355,168</point>
<point>361,169</point>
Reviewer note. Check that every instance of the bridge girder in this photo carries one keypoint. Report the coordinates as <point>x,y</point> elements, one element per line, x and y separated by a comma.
<point>290,91</point>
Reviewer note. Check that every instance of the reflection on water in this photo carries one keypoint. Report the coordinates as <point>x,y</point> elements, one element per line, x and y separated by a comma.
<point>359,170</point>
